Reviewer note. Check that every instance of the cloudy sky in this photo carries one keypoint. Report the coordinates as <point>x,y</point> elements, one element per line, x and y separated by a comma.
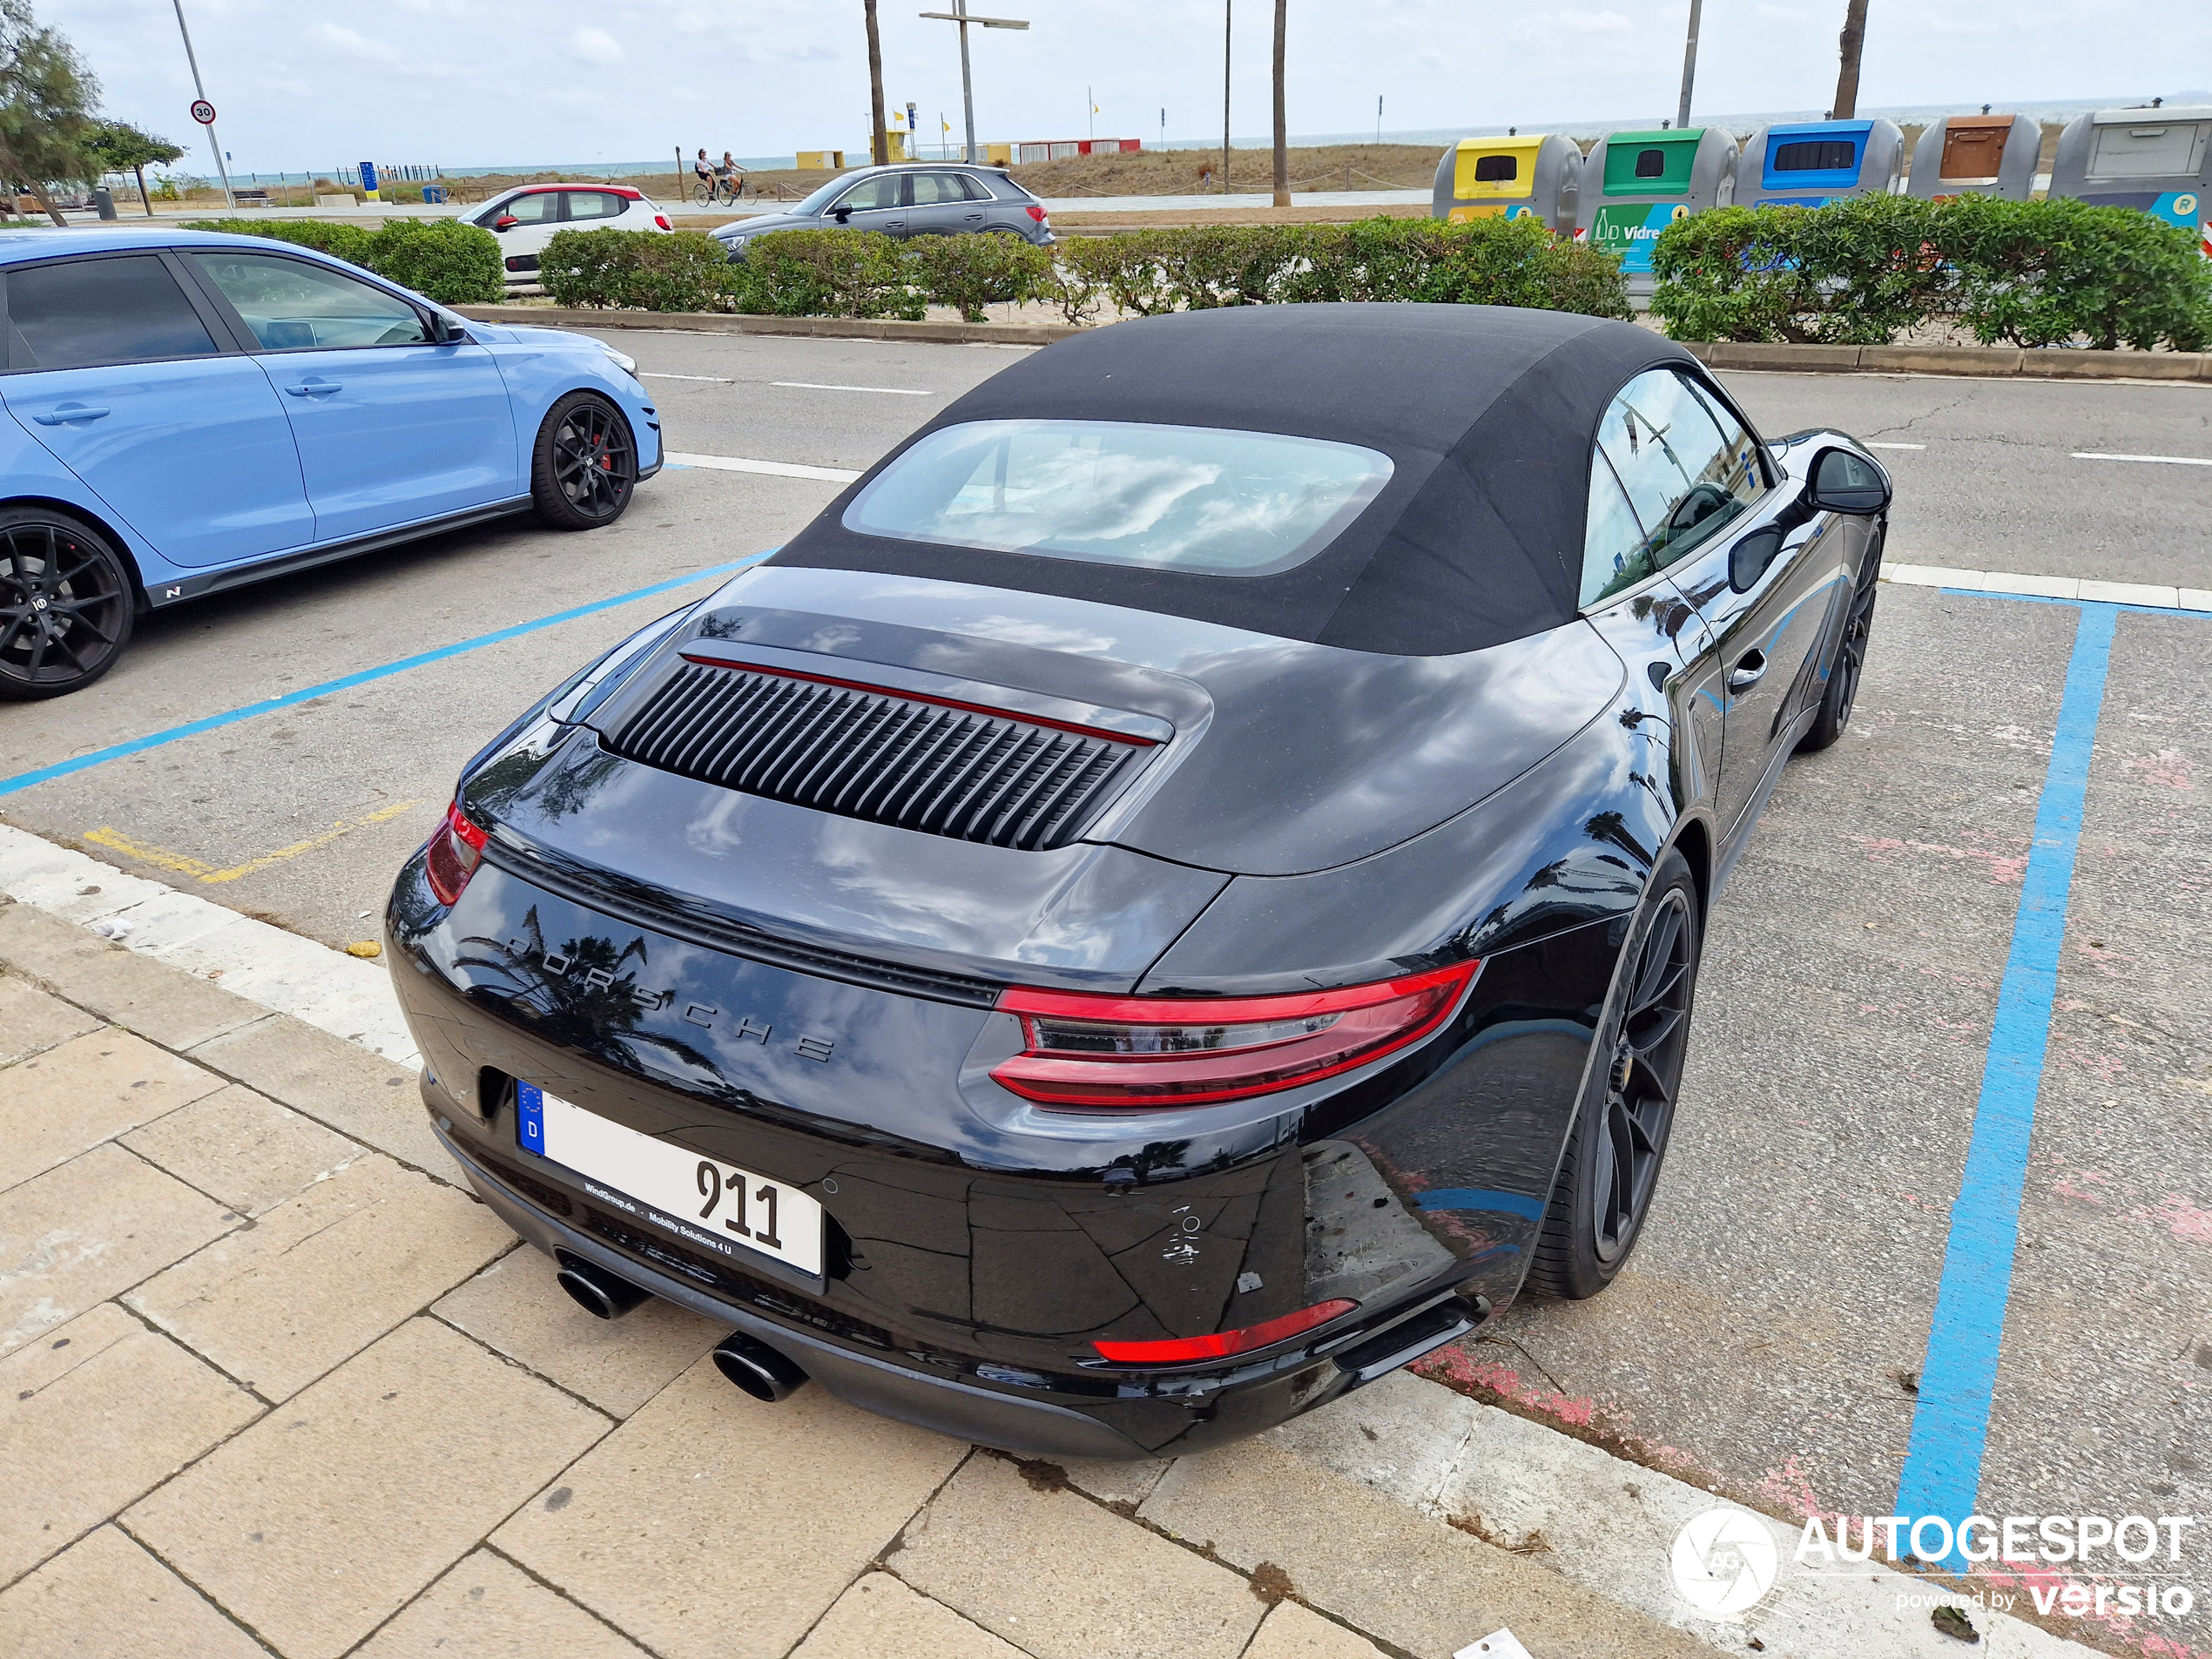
<point>305,83</point>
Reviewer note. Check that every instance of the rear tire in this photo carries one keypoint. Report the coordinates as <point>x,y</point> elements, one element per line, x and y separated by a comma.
<point>584,467</point>
<point>1602,1192</point>
<point>67,603</point>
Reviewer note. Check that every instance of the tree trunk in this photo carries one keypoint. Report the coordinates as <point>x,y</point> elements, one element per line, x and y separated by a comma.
<point>38,195</point>
<point>878,135</point>
<point>1282,138</point>
<point>146,201</point>
<point>1851,41</point>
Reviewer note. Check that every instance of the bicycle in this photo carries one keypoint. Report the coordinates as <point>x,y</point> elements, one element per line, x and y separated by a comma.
<point>706,192</point>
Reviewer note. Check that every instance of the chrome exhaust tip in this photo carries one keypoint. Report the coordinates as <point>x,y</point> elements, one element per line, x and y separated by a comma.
<point>601,1294</point>
<point>758,1369</point>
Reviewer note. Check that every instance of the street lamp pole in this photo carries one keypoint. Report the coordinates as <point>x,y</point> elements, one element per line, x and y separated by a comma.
<point>959,15</point>
<point>1688,64</point>
<point>221,171</point>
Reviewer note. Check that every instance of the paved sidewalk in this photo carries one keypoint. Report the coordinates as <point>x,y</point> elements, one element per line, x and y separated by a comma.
<point>272,1380</point>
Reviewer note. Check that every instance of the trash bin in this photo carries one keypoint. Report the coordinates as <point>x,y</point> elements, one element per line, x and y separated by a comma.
<point>1508,178</point>
<point>2159,161</point>
<point>1988,155</point>
<point>434,195</point>
<point>1804,164</point>
<point>103,201</point>
<point>1634,185</point>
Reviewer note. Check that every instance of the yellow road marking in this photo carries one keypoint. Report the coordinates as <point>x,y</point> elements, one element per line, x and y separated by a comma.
<point>147,853</point>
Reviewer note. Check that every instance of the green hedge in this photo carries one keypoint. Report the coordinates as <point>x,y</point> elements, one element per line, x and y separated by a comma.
<point>864,273</point>
<point>1862,271</point>
<point>446,260</point>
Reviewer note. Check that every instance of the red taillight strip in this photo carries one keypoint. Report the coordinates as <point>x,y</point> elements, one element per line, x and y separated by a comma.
<point>1223,1344</point>
<point>1026,719</point>
<point>1220,1010</point>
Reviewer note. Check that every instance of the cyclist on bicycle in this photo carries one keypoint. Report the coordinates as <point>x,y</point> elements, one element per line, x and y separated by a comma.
<point>730,176</point>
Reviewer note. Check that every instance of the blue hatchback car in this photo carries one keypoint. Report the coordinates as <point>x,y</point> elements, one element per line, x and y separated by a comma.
<point>187,412</point>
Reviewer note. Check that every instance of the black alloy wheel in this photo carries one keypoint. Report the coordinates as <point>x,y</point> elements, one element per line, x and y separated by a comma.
<point>1611,1168</point>
<point>585,467</point>
<point>1850,662</point>
<point>66,605</point>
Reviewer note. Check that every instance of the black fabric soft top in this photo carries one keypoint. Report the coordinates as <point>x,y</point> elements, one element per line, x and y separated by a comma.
<point>1488,415</point>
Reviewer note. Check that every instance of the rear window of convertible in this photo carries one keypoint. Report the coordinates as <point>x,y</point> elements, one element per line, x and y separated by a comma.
<point>1201,499</point>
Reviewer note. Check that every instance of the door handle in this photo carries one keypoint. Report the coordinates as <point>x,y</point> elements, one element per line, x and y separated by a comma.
<point>317,388</point>
<point>70,412</point>
<point>1749,668</point>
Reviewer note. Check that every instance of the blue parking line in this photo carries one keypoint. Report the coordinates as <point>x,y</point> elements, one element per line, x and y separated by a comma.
<point>271,705</point>
<point>1942,1472</point>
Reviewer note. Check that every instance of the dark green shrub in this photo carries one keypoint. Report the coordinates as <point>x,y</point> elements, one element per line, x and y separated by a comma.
<point>347,242</point>
<point>826,274</point>
<point>1855,273</point>
<point>633,270</point>
<point>441,259</point>
<point>1862,271</point>
<point>968,273</point>
<point>2043,274</point>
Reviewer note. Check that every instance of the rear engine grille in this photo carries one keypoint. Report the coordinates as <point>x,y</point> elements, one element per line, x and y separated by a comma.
<point>942,768</point>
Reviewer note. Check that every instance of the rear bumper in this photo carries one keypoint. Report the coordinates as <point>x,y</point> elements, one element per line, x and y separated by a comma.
<point>1035,1428</point>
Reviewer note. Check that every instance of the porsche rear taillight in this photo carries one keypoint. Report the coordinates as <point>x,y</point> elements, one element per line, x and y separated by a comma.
<point>454,852</point>
<point>1224,1345</point>
<point>1123,1053</point>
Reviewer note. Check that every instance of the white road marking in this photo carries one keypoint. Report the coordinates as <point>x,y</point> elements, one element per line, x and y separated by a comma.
<point>816,385</point>
<point>1897,446</point>
<point>718,380</point>
<point>2152,595</point>
<point>773,468</point>
<point>2169,460</point>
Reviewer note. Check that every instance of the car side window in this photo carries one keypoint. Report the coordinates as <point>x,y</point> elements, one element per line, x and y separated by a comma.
<point>595,204</point>
<point>539,208</point>
<point>1615,552</point>
<point>882,190</point>
<point>292,305</point>
<point>81,313</point>
<point>1682,477</point>
<point>931,188</point>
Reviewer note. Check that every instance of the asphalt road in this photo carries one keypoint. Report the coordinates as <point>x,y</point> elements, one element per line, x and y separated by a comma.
<point>1771,1335</point>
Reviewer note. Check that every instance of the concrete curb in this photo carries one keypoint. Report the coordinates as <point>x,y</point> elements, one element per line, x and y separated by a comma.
<point>716,323</point>
<point>1980,362</point>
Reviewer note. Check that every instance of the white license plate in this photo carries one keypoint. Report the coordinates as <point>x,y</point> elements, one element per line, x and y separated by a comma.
<point>729,1210</point>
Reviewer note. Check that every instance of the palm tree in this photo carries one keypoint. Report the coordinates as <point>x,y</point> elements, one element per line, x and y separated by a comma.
<point>878,135</point>
<point>1282,140</point>
<point>1852,41</point>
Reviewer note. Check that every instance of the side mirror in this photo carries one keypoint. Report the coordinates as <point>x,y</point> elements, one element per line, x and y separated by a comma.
<point>448,331</point>
<point>1749,558</point>
<point>1844,482</point>
<point>505,222</point>
<point>842,215</point>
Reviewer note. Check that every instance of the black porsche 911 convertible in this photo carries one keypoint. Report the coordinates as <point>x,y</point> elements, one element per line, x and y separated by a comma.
<point>1179,892</point>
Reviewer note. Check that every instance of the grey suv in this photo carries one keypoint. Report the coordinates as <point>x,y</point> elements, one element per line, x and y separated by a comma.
<point>909,199</point>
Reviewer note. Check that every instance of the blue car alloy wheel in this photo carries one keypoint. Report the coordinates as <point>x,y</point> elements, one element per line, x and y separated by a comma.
<point>65,605</point>
<point>586,463</point>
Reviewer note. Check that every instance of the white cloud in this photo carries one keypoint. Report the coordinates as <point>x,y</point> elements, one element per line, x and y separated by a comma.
<point>597,46</point>
<point>1596,22</point>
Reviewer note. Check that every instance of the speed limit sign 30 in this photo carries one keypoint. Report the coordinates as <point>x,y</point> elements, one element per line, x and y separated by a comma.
<point>203,111</point>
